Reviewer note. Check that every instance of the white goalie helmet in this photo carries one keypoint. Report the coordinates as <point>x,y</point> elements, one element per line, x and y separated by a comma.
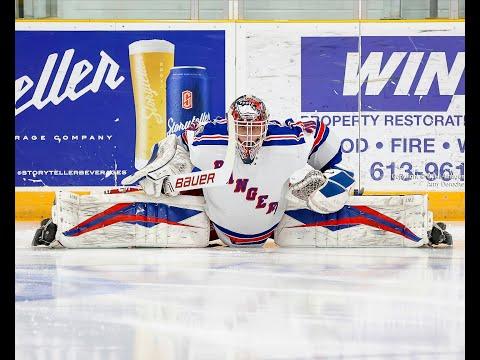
<point>251,118</point>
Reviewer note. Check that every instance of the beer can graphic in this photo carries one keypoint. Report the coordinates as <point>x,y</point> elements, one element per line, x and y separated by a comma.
<point>188,97</point>
<point>150,63</point>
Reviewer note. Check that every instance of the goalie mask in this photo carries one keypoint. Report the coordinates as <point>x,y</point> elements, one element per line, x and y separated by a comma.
<point>250,116</point>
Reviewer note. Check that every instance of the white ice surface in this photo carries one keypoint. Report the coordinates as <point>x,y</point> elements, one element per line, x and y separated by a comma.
<point>223,303</point>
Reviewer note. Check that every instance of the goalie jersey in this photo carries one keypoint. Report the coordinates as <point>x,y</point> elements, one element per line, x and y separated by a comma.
<point>249,207</point>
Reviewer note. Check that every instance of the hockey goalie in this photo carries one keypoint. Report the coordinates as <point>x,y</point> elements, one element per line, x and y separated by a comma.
<point>287,182</point>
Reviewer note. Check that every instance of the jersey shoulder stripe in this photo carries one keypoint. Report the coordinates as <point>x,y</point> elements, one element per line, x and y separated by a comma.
<point>211,133</point>
<point>308,126</point>
<point>279,134</point>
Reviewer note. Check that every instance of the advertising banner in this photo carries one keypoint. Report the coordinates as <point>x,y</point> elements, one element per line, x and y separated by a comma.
<point>393,92</point>
<point>91,103</point>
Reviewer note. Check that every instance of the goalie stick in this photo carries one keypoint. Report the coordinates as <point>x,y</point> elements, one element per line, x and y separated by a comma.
<point>199,179</point>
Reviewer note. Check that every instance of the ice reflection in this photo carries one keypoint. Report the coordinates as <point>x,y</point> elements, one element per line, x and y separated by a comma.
<point>222,303</point>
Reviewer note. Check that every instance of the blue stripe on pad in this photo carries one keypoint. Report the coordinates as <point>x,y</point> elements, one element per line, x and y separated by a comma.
<point>343,179</point>
<point>330,189</point>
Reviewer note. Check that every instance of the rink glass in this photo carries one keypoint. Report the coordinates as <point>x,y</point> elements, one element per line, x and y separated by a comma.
<point>150,64</point>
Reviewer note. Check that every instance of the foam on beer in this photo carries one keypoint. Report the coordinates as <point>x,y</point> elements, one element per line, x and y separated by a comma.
<point>143,46</point>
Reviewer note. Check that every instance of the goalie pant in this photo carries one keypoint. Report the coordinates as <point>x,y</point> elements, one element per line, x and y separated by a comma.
<point>138,220</point>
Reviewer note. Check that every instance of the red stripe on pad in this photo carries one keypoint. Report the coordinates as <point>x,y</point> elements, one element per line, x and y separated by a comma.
<point>370,211</point>
<point>354,221</point>
<point>108,211</point>
<point>129,218</point>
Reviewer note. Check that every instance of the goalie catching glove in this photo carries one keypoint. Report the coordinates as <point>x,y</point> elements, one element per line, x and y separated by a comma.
<point>324,193</point>
<point>167,159</point>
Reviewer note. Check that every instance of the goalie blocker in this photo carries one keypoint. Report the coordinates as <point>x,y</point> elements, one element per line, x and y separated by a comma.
<point>139,220</point>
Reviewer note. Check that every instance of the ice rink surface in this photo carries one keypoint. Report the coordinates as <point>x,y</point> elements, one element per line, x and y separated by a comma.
<point>224,303</point>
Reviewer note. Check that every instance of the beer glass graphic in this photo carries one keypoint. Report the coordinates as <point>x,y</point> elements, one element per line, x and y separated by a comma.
<point>150,64</point>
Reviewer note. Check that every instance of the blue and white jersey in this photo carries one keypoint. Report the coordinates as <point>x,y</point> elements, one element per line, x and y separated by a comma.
<point>249,207</point>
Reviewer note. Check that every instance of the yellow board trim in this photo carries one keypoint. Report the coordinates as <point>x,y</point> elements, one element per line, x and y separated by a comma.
<point>35,205</point>
<point>116,21</point>
<point>447,206</point>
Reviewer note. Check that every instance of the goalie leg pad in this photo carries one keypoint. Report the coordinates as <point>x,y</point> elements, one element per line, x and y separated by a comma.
<point>129,220</point>
<point>366,221</point>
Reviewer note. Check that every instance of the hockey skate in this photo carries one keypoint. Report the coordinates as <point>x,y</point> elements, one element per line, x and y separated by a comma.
<point>438,235</point>
<point>45,234</point>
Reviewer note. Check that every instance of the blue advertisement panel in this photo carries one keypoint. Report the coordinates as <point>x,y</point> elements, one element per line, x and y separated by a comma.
<point>398,73</point>
<point>89,104</point>
<point>397,100</point>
